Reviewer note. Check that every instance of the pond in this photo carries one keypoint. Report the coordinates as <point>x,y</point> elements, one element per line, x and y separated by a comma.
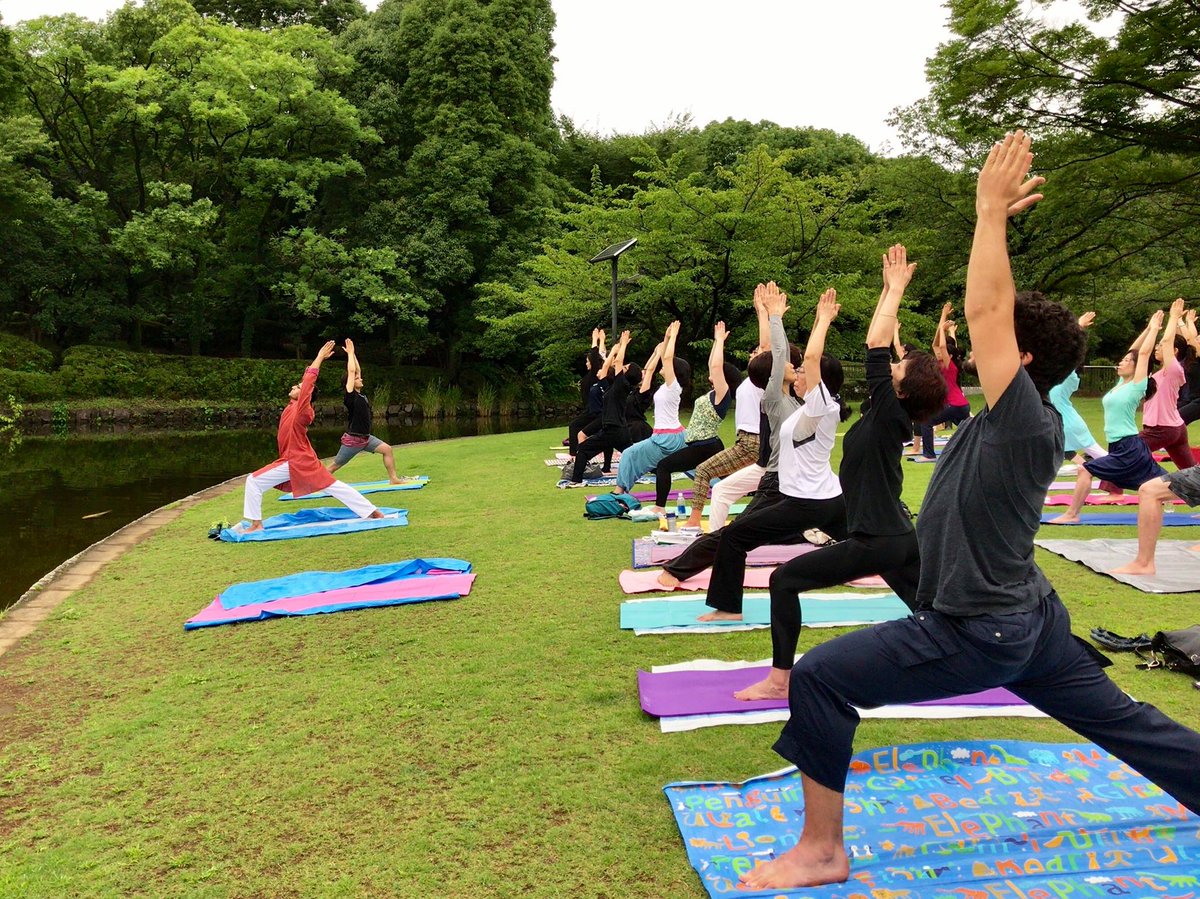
<point>61,494</point>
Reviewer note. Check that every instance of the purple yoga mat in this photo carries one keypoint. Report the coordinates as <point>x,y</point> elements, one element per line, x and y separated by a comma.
<point>431,586</point>
<point>673,693</point>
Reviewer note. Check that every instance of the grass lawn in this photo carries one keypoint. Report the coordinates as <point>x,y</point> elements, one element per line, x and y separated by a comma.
<point>489,746</point>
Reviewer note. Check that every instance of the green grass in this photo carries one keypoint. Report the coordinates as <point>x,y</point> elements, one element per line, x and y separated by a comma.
<point>490,746</point>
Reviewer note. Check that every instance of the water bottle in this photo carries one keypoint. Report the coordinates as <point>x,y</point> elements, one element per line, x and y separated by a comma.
<point>680,509</point>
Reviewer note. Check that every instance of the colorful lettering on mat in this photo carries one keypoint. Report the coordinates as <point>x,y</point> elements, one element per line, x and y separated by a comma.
<point>968,820</point>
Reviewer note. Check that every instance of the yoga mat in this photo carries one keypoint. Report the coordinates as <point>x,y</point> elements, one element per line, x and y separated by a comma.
<point>648,554</point>
<point>1101,499</point>
<point>564,484</point>
<point>678,614</point>
<point>677,724</point>
<point>735,509</point>
<point>1070,485</point>
<point>314,523</point>
<point>647,581</point>
<point>1068,820</point>
<point>424,588</point>
<point>308,582</point>
<point>413,483</point>
<point>667,694</point>
<point>1170,519</point>
<point>1177,567</point>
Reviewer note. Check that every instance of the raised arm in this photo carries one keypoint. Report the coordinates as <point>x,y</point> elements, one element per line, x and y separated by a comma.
<point>1168,338</point>
<point>352,369</point>
<point>896,344</point>
<point>649,369</point>
<point>939,336</point>
<point>309,381</point>
<point>1003,190</point>
<point>668,353</point>
<point>897,272</point>
<point>1187,327</point>
<point>614,360</point>
<point>600,343</point>
<point>1146,350</point>
<point>827,310</point>
<point>716,364</point>
<point>764,323</point>
<point>775,302</point>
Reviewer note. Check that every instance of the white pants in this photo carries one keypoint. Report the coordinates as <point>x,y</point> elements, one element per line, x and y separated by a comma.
<point>729,490</point>
<point>258,484</point>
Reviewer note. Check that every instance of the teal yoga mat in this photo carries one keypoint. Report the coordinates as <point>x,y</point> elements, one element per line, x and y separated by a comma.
<point>817,610</point>
<point>415,483</point>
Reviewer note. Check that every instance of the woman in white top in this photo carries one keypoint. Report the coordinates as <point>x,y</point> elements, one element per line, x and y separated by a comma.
<point>668,437</point>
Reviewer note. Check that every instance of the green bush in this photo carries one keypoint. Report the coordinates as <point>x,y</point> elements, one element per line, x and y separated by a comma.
<point>19,354</point>
<point>28,386</point>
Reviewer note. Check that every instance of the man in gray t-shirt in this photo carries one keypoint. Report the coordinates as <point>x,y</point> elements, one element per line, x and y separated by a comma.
<point>995,620</point>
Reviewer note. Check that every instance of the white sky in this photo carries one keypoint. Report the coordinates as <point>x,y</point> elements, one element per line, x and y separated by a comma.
<point>628,65</point>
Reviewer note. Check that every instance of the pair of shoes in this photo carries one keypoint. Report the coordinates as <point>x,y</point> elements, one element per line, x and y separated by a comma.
<point>1117,643</point>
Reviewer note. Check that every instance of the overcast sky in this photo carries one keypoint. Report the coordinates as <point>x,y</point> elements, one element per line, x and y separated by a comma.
<point>628,65</point>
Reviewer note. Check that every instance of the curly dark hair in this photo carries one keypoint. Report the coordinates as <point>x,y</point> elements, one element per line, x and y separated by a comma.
<point>1049,332</point>
<point>922,392</point>
<point>759,369</point>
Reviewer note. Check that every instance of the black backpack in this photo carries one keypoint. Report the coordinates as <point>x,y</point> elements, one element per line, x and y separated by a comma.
<point>1176,651</point>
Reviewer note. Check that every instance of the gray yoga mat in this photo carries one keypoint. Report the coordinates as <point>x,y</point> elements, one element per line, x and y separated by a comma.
<point>1177,567</point>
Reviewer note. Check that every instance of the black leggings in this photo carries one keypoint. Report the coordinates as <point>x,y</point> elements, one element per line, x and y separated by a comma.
<point>579,423</point>
<point>894,558</point>
<point>953,414</point>
<point>606,439</point>
<point>685,459</point>
<point>1189,411</point>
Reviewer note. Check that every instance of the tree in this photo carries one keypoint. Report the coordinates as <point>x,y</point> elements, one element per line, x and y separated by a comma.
<point>460,92</point>
<point>332,15</point>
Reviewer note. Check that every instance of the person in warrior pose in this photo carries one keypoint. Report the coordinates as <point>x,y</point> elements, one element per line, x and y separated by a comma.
<point>957,408</point>
<point>358,436</point>
<point>994,620</point>
<point>298,469</point>
<point>882,539</point>
<point>1077,438</point>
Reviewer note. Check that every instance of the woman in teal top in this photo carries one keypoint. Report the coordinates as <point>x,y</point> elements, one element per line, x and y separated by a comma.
<point>1128,464</point>
<point>1077,438</point>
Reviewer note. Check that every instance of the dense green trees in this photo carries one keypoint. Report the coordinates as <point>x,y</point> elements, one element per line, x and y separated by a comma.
<point>241,176</point>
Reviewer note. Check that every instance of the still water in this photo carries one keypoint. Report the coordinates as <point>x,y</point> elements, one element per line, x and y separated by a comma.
<point>59,495</point>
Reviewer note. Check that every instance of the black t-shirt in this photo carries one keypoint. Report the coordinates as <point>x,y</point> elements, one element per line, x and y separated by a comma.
<point>358,414</point>
<point>595,400</point>
<point>870,474</point>
<point>984,506</point>
<point>613,414</point>
<point>639,404</point>
<point>1191,387</point>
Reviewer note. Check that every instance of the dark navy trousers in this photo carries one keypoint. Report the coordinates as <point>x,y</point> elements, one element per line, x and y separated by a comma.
<point>930,655</point>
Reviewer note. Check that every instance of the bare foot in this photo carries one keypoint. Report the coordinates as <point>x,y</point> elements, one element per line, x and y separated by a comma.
<point>1195,548</point>
<point>721,616</point>
<point>376,514</point>
<point>1065,518</point>
<point>396,480</point>
<point>800,866</point>
<point>694,520</point>
<point>773,686</point>
<point>1107,499</point>
<point>668,580</point>
<point>1134,567</point>
<point>254,526</point>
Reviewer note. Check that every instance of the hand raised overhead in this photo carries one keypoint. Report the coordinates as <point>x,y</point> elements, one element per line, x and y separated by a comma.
<point>774,299</point>
<point>719,331</point>
<point>1087,319</point>
<point>828,306</point>
<point>1004,182</point>
<point>897,270</point>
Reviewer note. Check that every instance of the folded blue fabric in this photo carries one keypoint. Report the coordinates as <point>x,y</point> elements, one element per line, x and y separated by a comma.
<point>307,582</point>
<point>314,523</point>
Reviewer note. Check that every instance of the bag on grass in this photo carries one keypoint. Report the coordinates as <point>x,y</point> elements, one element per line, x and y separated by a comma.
<point>1176,651</point>
<point>610,505</point>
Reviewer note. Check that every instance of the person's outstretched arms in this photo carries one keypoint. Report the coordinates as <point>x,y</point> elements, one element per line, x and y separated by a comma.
<point>716,364</point>
<point>897,272</point>
<point>1168,338</point>
<point>896,344</point>
<point>668,353</point>
<point>827,310</point>
<point>774,302</point>
<point>309,381</point>
<point>650,368</point>
<point>1004,189</point>
<point>352,369</point>
<point>614,360</point>
<point>939,336</point>
<point>764,323</point>
<point>1146,349</point>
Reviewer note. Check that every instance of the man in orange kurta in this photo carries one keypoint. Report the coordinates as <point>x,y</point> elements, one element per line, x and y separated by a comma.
<point>298,469</point>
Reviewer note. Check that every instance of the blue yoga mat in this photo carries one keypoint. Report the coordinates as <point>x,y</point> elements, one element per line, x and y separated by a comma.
<point>960,820</point>
<point>365,487</point>
<point>323,581</point>
<point>315,523</point>
<point>756,609</point>
<point>1170,519</point>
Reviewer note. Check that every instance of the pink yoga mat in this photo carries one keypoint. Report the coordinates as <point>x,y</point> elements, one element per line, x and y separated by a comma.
<point>670,693</point>
<point>427,587</point>
<point>1093,499</point>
